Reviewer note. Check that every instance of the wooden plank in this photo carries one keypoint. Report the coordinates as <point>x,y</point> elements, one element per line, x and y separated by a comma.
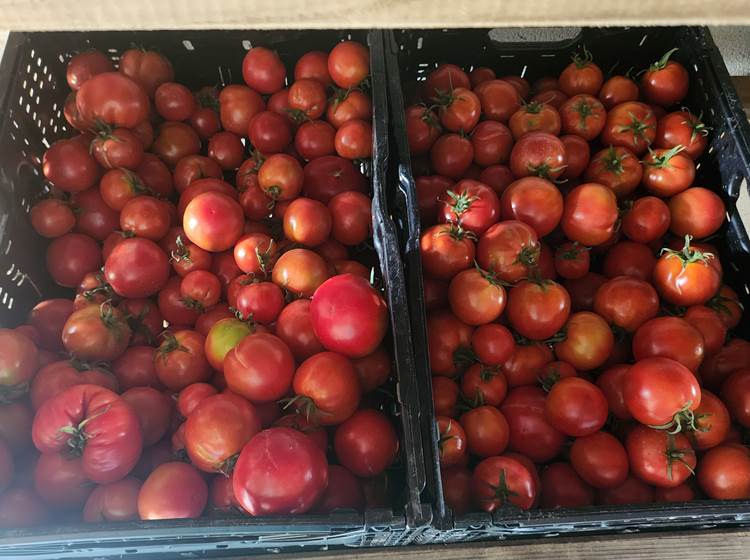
<point>269,14</point>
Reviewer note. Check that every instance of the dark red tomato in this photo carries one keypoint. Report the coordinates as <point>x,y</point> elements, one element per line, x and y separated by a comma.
<point>576,407</point>
<point>117,148</point>
<point>98,424</point>
<point>588,343</point>
<point>487,431</point>
<point>666,81</point>
<point>582,290</point>
<point>459,110</point>
<point>294,327</point>
<point>348,64</point>
<point>344,491</point>
<point>492,142</point>
<point>534,201</point>
<point>15,429</point>
<point>52,218</point>
<point>578,153</point>
<point>144,319</point>
<point>353,140</point>
<point>351,218</point>
<point>116,501</point>
<point>205,121</point>
<point>481,74</point>
<point>499,481</point>
<point>615,167</point>
<point>226,149</point>
<point>530,433</point>
<point>554,372</point>
<point>146,217</point>
<point>631,125</point>
<point>200,288</point>
<point>563,488</point>
<point>422,129</point>
<point>328,176</point>
<point>145,134</point>
<point>263,70</point>
<point>535,117</point>
<point>300,271</point>
<point>61,482</point>
<point>349,105</point>
<point>572,261</point>
<point>554,98</point>
<point>629,259</point>
<point>155,175</point>
<point>366,443</point>
<point>647,220</point>
<point>483,384</point>
<point>254,202</point>
<point>188,257</point>
<point>135,368</point>
<point>213,221</point>
<point>626,302</point>
<point>712,417</point>
<point>96,332</point>
<point>443,79</point>
<point>435,293</point>
<point>237,106</point>
<point>373,370</point>
<point>327,388</point>
<point>682,128</point>
<point>173,490</point>
<point>71,113</point>
<point>280,177</point>
<point>445,396</point>
<point>84,65</point>
<point>708,322</point>
<point>446,336</point>
<point>540,154</point>
<point>174,102</point>
<point>584,116</point>
<point>508,249</point>
<point>280,470</point>
<point>684,492</point>
<point>173,308</point>
<point>471,205</point>
<point>175,141</point>
<point>498,177</point>
<point>735,391</point>
<point>526,364</point>
<point>667,172</point>
<point>630,492</point>
<point>521,85</point>
<point>431,190</point>
<point>499,100</point>
<point>69,166</point>
<point>136,268</point>
<point>600,460</point>
<point>581,76</point>
<point>451,442</point>
<point>493,344</point>
<point>315,139</point>
<point>686,277</point>
<point>118,186</point>
<point>149,69</point>
<point>659,457</point>
<point>476,297</point>
<point>670,337</point>
<point>181,361</point>
<point>724,473</point>
<point>153,409</point>
<point>590,214</point>
<point>446,250</point>
<point>697,212</point>
<point>537,310</point>
<point>617,90</point>
<point>114,99</point>
<point>93,217</point>
<point>19,360</point>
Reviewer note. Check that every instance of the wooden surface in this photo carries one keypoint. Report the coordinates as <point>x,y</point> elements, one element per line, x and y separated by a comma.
<point>264,14</point>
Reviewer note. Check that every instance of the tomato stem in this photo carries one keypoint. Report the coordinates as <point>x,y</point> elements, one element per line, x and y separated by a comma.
<point>688,255</point>
<point>662,62</point>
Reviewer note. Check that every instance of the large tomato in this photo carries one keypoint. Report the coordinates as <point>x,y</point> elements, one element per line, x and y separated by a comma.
<point>626,302</point>
<point>500,481</point>
<point>349,64</point>
<point>217,430</point>
<point>96,332</point>
<point>540,154</point>
<point>686,277</point>
<point>615,167</point>
<point>260,368</point>
<point>279,471</point>
<point>58,376</point>
<point>538,309</point>
<point>576,407</point>
<point>658,457</point>
<point>327,388</point>
<point>508,249</point>
<point>213,221</point>
<point>136,268</point>
<point>366,443</point>
<point>94,423</point>
<point>530,432</point>
<point>588,341</point>
<point>632,125</point>
<point>590,214</point>
<point>534,201</point>
<point>112,98</point>
<point>69,165</point>
<point>181,361</point>
<point>670,337</point>
<point>600,459</point>
<point>173,491</point>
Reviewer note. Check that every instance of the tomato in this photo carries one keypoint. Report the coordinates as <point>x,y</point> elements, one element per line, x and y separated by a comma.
<point>280,470</point>
<point>315,139</point>
<point>540,154</point>
<point>451,155</point>
<point>537,310</point>
<point>483,384</point>
<point>534,201</point>
<point>144,319</point>
<point>576,407</point>
<point>530,432</point>
<point>294,327</point>
<point>260,302</point>
<point>665,83</point>
<point>647,220</point>
<point>470,204</point>
<point>301,423</point>
<point>554,372</point>
<point>561,487</point>
<point>476,297</point>
<point>735,355</point>
<point>19,359</point>
<point>422,129</point>
<point>174,102</point>
<point>629,259</point>
<point>578,153</point>
<point>724,473</point>
<point>626,302</point>
<point>508,249</point>
<point>581,76</point>
<point>526,364</point>
<point>615,167</point>
<point>155,175</point>
<point>117,148</point>
<point>280,177</point>
<point>735,391</point>
<point>491,142</point>
<point>96,424</point>
<point>226,149</point>
<point>348,64</point>
<point>147,68</point>
<point>263,70</point>
<point>572,261</point>
<point>146,216</point>
<point>658,457</point>
<point>84,65</point>
<point>237,107</point>
<point>686,277</point>
<point>307,99</point>
<point>213,221</point>
<point>583,115</point>
<point>448,338</point>
<point>452,441</point>
<point>696,211</point>
<point>255,253</point>
<point>708,322</point>
<point>15,425</point>
<point>259,367</point>
<point>96,332</point>
<point>353,140</point>
<point>300,271</point>
<point>727,305</point>
<point>118,186</point>
<point>330,175</point>
<point>682,128</point>
<point>117,501</point>
<point>175,141</point>
<point>21,506</point>
<point>444,396</point>
<point>681,493</point>
<point>61,482</point>
<point>181,361</point>
<point>630,492</point>
<point>443,79</point>
<point>153,409</point>
<point>446,250</point>
<point>136,268</point>
<point>435,293</point>
<point>583,290</point>
<point>712,418</point>
<point>52,218</point>
<point>173,491</point>
<point>114,99</point>
<point>589,214</point>
<point>617,90</point>
<point>487,431</point>
<point>631,125</point>
<point>373,370</point>
<point>344,491</point>
<point>349,105</point>
<point>135,368</point>
<point>459,109</point>
<point>189,398</point>
<point>588,341</point>
<point>534,117</point>
<point>366,443</point>
<point>313,64</point>
<point>600,460</point>
<point>554,98</point>
<point>93,217</point>
<point>483,74</point>
<point>351,218</point>
<point>493,344</point>
<point>57,376</point>
<point>69,166</point>
<point>668,171</point>
<point>670,337</point>
<point>499,100</point>
<point>499,481</point>
<point>327,388</point>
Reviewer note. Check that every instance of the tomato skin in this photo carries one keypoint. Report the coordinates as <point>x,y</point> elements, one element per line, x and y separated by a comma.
<point>328,386</point>
<point>696,211</point>
<point>670,337</point>
<point>173,491</point>
<point>445,335</point>
<point>315,139</point>
<point>583,115</point>
<point>617,90</point>
<point>686,284</point>
<point>589,214</point>
<point>451,155</point>
<point>493,344</point>
<point>480,75</point>
<point>366,443</point>
<point>61,483</point>
<point>534,201</point>
<point>499,100</point>
<point>665,83</point>
<point>213,221</point>
<point>136,268</point>
<point>205,121</point>
<point>631,125</point>
<point>325,177</point>
<point>492,474</point>
<point>189,398</point>
<point>93,217</point>
<point>344,491</point>
<point>69,166</point>
<point>708,322</point>
<point>538,153</point>
<point>487,431</point>
<point>535,117</point>
<point>422,129</point>
<point>578,152</point>
<point>111,436</point>
<point>724,473</point>
<point>348,64</point>
<point>475,299</point>
<point>113,98</point>
<point>626,302</point>
<point>682,128</point>
<point>181,360</point>
<point>446,251</point>
<point>612,383</point>
<point>452,442</point>
<point>712,419</point>
<point>632,491</point>
<point>260,368</point>
<point>461,111</point>
<point>530,432</point>
<point>600,460</point>
<point>647,220</point>
<point>660,458</point>
<point>237,106</point>
<point>52,218</point>
<point>508,248</point>
<point>300,271</point>
<point>351,218</point>
<point>615,167</point>
<point>300,422</point>
<point>561,487</point>
<point>483,384</point>
<point>576,407</point>
<point>149,69</point>
<point>15,425</point>
<point>280,470</point>
<point>589,341</point>
<point>735,392</point>
<point>444,396</point>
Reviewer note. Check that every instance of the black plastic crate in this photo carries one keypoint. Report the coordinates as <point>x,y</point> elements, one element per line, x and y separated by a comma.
<point>33,91</point>
<point>411,55</point>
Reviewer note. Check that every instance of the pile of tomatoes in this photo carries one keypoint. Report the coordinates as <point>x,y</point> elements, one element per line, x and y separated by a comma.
<point>225,341</point>
<point>580,334</point>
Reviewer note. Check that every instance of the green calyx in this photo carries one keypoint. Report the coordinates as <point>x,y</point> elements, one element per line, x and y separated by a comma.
<point>662,160</point>
<point>662,62</point>
<point>688,255</point>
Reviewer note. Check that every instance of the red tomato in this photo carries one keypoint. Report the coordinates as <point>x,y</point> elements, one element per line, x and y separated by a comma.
<point>459,110</point>
<point>344,491</point>
<point>118,148</point>
<point>366,443</point>
<point>173,491</point>
<point>149,69</point>
<point>174,102</point>
<point>146,216</point>
<point>205,121</point>
<point>499,481</point>
<point>666,81</point>
<point>117,501</point>
<point>452,441</point>
<point>696,211</point>
<point>588,343</point>
<point>582,290</point>
<point>724,473</point>
<point>499,100</point>
<point>260,368</point>
<point>294,327</point>
<point>682,128</point>
<point>446,335</point>
<point>373,370</point>
<point>470,204</point>
<point>112,98</point>
<point>213,221</point>
<point>670,337</point>
<point>590,214</point>
<point>96,332</point>
<point>508,249</point>
<point>535,117</point>
<point>52,218</point>
<point>583,115</point>
<point>175,141</point>
<point>327,388</point>
<point>348,64</point>
<point>600,460</point>
<point>658,457</point>
<point>530,432</point>
<point>353,140</point>
<point>192,395</point>
<point>301,423</point>
<point>136,268</point>
<point>237,106</point>
<point>493,344</point>
<point>526,364</point>
<point>481,384</point>
<point>629,259</point>
<point>181,360</point>
<point>100,426</point>
<point>667,172</point>
<point>15,426</point>
<point>443,79</point>
<point>476,297</point>
<point>315,139</point>
<point>615,167</point>
<point>328,176</point>
<point>553,97</point>
<point>630,492</point>
<point>69,166</point>
<point>578,153</point>
<point>581,76</point>
<point>616,90</point>
<point>422,129</point>
<point>84,65</point>
<point>58,376</point>
<point>226,149</point>
<point>153,409</point>
<point>260,302</point>
<point>647,220</point>
<point>540,154</point>
<point>712,418</point>
<point>686,277</point>
<point>572,261</point>
<point>349,105</point>
<point>631,125</point>
<point>563,488</point>
<point>534,201</point>
<point>487,431</point>
<point>681,493</point>
<point>626,302</point>
<point>93,217</point>
<point>280,177</point>
<point>19,359</point>
<point>313,64</point>
<point>576,407</point>
<point>482,74</point>
<point>446,250</point>
<point>351,218</point>
<point>537,310</point>
<point>444,396</point>
<point>451,155</point>
<point>735,391</point>
<point>61,481</point>
<point>263,70</point>
<point>255,253</point>
<point>144,319</point>
<point>300,271</point>
<point>492,143</point>
<point>155,175</point>
<point>708,322</point>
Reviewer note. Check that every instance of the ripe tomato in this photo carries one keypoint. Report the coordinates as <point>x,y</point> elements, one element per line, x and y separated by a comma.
<point>174,102</point>
<point>631,125</point>
<point>348,64</point>
<point>181,361</point>
<point>682,128</point>
<point>192,395</point>
<point>280,470</point>
<point>135,368</point>
<point>117,148</point>
<point>280,177</point>
<point>452,442</point>
<point>647,220</point>
<point>443,79</point>
<point>328,176</point>
<point>301,423</point>
<point>373,370</point>
<point>470,204</point>
<point>482,384</point>
<point>226,149</point>
<point>581,76</point>
<point>446,335</point>
<point>668,171</point>
<point>535,117</point>
<point>616,90</point>
<point>200,288</point>
<point>482,74</point>
<point>173,490</point>
<point>19,359</point>
<point>492,142</point>
<point>712,419</point>
<point>526,364</point>
<point>735,391</point>
<point>155,175</point>
<point>306,221</point>
<point>681,493</point>
<point>344,491</point>
<point>476,297</point>
<point>15,429</point>
<point>708,322</point>
<point>52,218</point>
<point>269,132</point>
<point>534,201</point>
<point>136,268</point>
<point>686,277</point>
<point>61,481</point>
<point>590,214</point>
<point>307,99</point>
<point>572,261</point>
<point>583,115</point>
<point>632,491</point>
<point>327,388</point>
<point>315,139</point>
<point>117,501</point>
<point>493,344</point>
<point>487,431</point>
<point>313,64</point>
<point>93,217</point>
<point>600,460</point>
<point>294,327</point>
<point>578,153</point>
<point>422,129</point>
<point>615,167</point>
<point>435,293</point>
<point>237,106</point>
<point>508,249</point>
<point>300,271</point>
<point>459,110</point>
<point>447,250</point>
<point>149,69</point>
<point>588,343</point>
<point>582,290</point>
<point>146,216</point>
<point>259,302</point>
<point>658,457</point>
<point>351,218</point>
<point>213,221</point>
<point>696,211</point>
<point>626,302</point>
<point>366,443</point>
<point>499,481</point>
<point>724,473</point>
<point>97,425</point>
<point>554,372</point>
<point>561,487</point>
<point>260,368</point>
<point>451,155</point>
<point>96,332</point>
<point>540,154</point>
<point>727,305</point>
<point>118,186</point>
<point>175,141</point>
<point>444,396</point>
<point>112,98</point>
<point>84,65</point>
<point>353,140</point>
<point>144,319</point>
<point>499,100</point>
<point>576,407</point>
<point>263,70</point>
<point>670,337</point>
<point>666,81</point>
<point>69,166</point>
<point>530,432</point>
<point>153,410</point>
<point>538,309</point>
<point>629,259</point>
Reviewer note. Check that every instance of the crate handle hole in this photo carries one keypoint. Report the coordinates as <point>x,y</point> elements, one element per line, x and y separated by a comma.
<point>188,45</point>
<point>247,45</point>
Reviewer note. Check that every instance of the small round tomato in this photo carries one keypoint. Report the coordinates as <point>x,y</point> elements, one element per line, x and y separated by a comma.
<point>349,105</point>
<point>492,142</point>
<point>181,361</point>
<point>535,117</point>
<point>173,490</point>
<point>446,250</point>
<point>499,100</point>
<point>583,115</point>
<point>175,141</point>
<point>682,128</point>
<point>452,442</point>
<point>237,106</point>
<point>526,364</point>
<point>315,139</point>
<point>353,140</point>
<point>670,337</point>
<point>493,344</point>
<point>446,335</point>
<point>647,220</point>
<point>600,460</point>
<point>476,297</point>
<point>576,407</point>
<point>459,110</point>
<point>69,166</point>
<point>451,155</point>
<point>226,149</point>
<point>708,322</point>
<point>155,175</point>
<point>589,214</point>
<point>553,97</point>
<point>538,309</point>
<point>616,90</point>
<point>192,395</point>
<point>174,102</point>
<point>422,129</point>
<point>667,172</point>
<point>213,221</point>
<point>626,302</point>
<point>632,125</point>
<point>686,277</point>
<point>563,488</point>
<point>149,69</point>
<point>348,64</point>
<point>666,81</point>
<point>118,148</point>
<point>534,201</point>
<point>144,319</point>
<point>588,343</point>
<point>146,216</point>
<point>615,167</point>
<point>572,261</point>
<point>581,76</point>
<point>499,481</point>
<point>724,473</point>
<point>697,212</point>
<point>351,218</point>
<point>52,218</point>
<point>471,205</point>
<point>280,177</point>
<point>538,153</point>
<point>487,431</point>
<point>530,432</point>
<point>658,457</point>
<point>93,216</point>
<point>509,249</point>
<point>484,385</point>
